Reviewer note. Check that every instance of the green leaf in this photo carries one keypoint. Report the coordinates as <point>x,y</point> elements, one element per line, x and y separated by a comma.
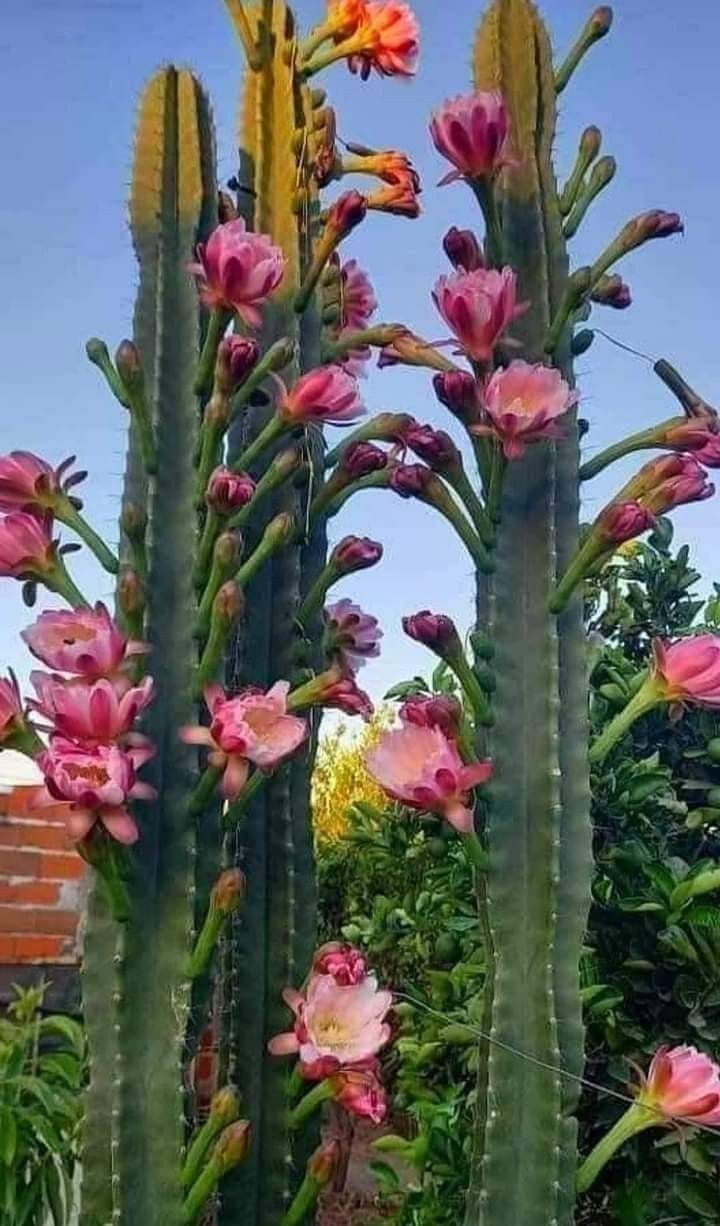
<point>700,1197</point>
<point>386,1175</point>
<point>8,1136</point>
<point>703,883</point>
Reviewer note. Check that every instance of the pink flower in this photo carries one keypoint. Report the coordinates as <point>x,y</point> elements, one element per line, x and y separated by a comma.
<point>344,963</point>
<point>27,549</point>
<point>11,708</point>
<point>346,213</point>
<point>421,768</point>
<point>355,553</point>
<point>361,1092</point>
<point>96,784</point>
<point>328,394</point>
<point>228,491</point>
<point>344,695</point>
<point>90,711</point>
<point>683,1084</point>
<point>673,481</point>
<point>522,403</point>
<point>238,270</point>
<point>689,669</point>
<point>709,454</point>
<point>352,636</point>
<point>337,1025</point>
<point>623,521</point>
<point>86,642</point>
<point>358,301</point>
<point>28,483</point>
<point>345,16</point>
<point>463,250</point>
<point>473,133</point>
<point>388,37</point>
<point>251,727</point>
<point>433,711</point>
<point>478,307</point>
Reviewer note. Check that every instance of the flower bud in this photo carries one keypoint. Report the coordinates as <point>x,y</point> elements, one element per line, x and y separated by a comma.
<point>590,143</point>
<point>236,357</point>
<point>228,891</point>
<point>225,1105</point>
<point>463,250</point>
<point>435,447</point>
<point>434,630</point>
<point>227,209</point>
<point>355,553</point>
<point>458,391</point>
<point>129,366</point>
<point>131,593</point>
<point>410,480</point>
<point>434,711</point>
<point>346,213</point>
<point>280,530</point>
<point>654,224</point>
<point>227,549</point>
<point>232,1146</point>
<point>612,291</point>
<point>623,521</point>
<point>324,1163</point>
<point>133,522</point>
<point>228,604</point>
<point>601,20</point>
<point>228,491</point>
<point>286,462</point>
<point>361,459</point>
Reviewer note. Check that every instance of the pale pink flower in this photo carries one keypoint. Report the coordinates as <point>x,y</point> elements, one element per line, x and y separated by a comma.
<point>422,768</point>
<point>352,636</point>
<point>358,301</point>
<point>361,1092</point>
<point>689,670</point>
<point>251,727</point>
<point>238,270</point>
<point>683,1084</point>
<point>473,133</point>
<point>522,403</point>
<point>345,963</point>
<point>335,1025</point>
<point>478,307</point>
<point>327,394</point>
<point>11,708</point>
<point>96,784</point>
<point>90,711</point>
<point>86,642</point>
<point>389,40</point>
<point>27,549</point>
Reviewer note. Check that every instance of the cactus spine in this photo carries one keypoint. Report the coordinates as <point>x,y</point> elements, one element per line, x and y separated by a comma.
<point>538,826</point>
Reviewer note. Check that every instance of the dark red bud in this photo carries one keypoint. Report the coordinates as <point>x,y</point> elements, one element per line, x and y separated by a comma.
<point>347,212</point>
<point>356,553</point>
<point>410,480</point>
<point>612,291</point>
<point>463,250</point>
<point>436,711</point>
<point>361,459</point>
<point>435,447</point>
<point>434,630</point>
<point>458,391</point>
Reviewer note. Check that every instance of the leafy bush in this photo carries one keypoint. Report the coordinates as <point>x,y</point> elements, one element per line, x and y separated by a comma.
<point>651,971</point>
<point>42,1070</point>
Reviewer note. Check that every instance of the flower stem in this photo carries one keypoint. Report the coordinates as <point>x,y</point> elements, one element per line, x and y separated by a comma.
<point>339,51</point>
<point>305,1200</point>
<point>200,1144</point>
<point>269,433</point>
<point>472,688</point>
<point>635,1120</point>
<point>217,325</point>
<point>321,1093</point>
<point>648,697</point>
<point>71,517</point>
<point>59,581</point>
<point>586,557</point>
<point>210,532</point>
<point>201,1191</point>
<point>475,509</point>
<point>236,811</point>
<point>641,441</point>
<point>205,790</point>
<point>476,855</point>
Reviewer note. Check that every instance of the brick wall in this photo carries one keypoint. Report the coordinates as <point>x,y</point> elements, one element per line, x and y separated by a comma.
<point>42,889</point>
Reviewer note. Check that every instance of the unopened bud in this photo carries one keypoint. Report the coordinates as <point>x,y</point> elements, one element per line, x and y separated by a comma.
<point>654,224</point>
<point>355,553</point>
<point>225,1105</point>
<point>227,549</point>
<point>601,20</point>
<point>228,491</point>
<point>434,630</point>
<point>236,357</point>
<point>410,480</point>
<point>582,341</point>
<point>232,1146</point>
<point>435,447</point>
<point>463,250</point>
<point>458,391</point>
<point>98,352</point>
<point>346,213</point>
<point>286,462</point>
<point>228,891</point>
<point>324,1163</point>
<point>280,354</point>
<point>623,521</point>
<point>131,593</point>
<point>591,143</point>
<point>228,604</point>
<point>280,530</point>
<point>129,366</point>
<point>133,522</point>
<point>361,459</point>
<point>612,291</point>
<point>227,209</point>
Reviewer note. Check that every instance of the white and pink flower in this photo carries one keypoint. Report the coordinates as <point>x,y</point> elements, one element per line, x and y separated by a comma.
<point>85,642</point>
<point>353,636</point>
<point>93,712</point>
<point>478,307</point>
<point>96,784</point>
<point>27,549</point>
<point>11,708</point>
<point>335,1026</point>
<point>683,1084</point>
<point>688,670</point>
<point>522,404</point>
<point>328,394</point>
<point>422,768</point>
<point>473,133</point>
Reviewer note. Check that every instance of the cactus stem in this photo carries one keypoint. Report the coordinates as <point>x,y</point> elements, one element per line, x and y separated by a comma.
<point>210,531</point>
<point>498,466</point>
<point>71,517</point>
<point>643,440</point>
<point>206,943</point>
<point>237,809</point>
<point>485,195</point>
<point>603,174</point>
<point>635,1120</point>
<point>217,326</point>
<point>649,696</point>
<point>310,1103</point>
<point>272,431</point>
<point>241,22</point>
<point>58,580</point>
<point>205,790</point>
<point>597,26</point>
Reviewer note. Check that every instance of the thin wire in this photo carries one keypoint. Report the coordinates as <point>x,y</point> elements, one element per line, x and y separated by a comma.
<point>556,1069</point>
<point>628,348</point>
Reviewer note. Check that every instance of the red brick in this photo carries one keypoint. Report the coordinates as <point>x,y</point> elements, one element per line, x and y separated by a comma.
<point>15,949</point>
<point>31,893</point>
<point>34,834</point>
<point>20,801</point>
<point>61,868</point>
<point>31,919</point>
<point>19,863</point>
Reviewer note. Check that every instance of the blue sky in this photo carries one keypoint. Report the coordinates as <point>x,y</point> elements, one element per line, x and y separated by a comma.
<point>70,75</point>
